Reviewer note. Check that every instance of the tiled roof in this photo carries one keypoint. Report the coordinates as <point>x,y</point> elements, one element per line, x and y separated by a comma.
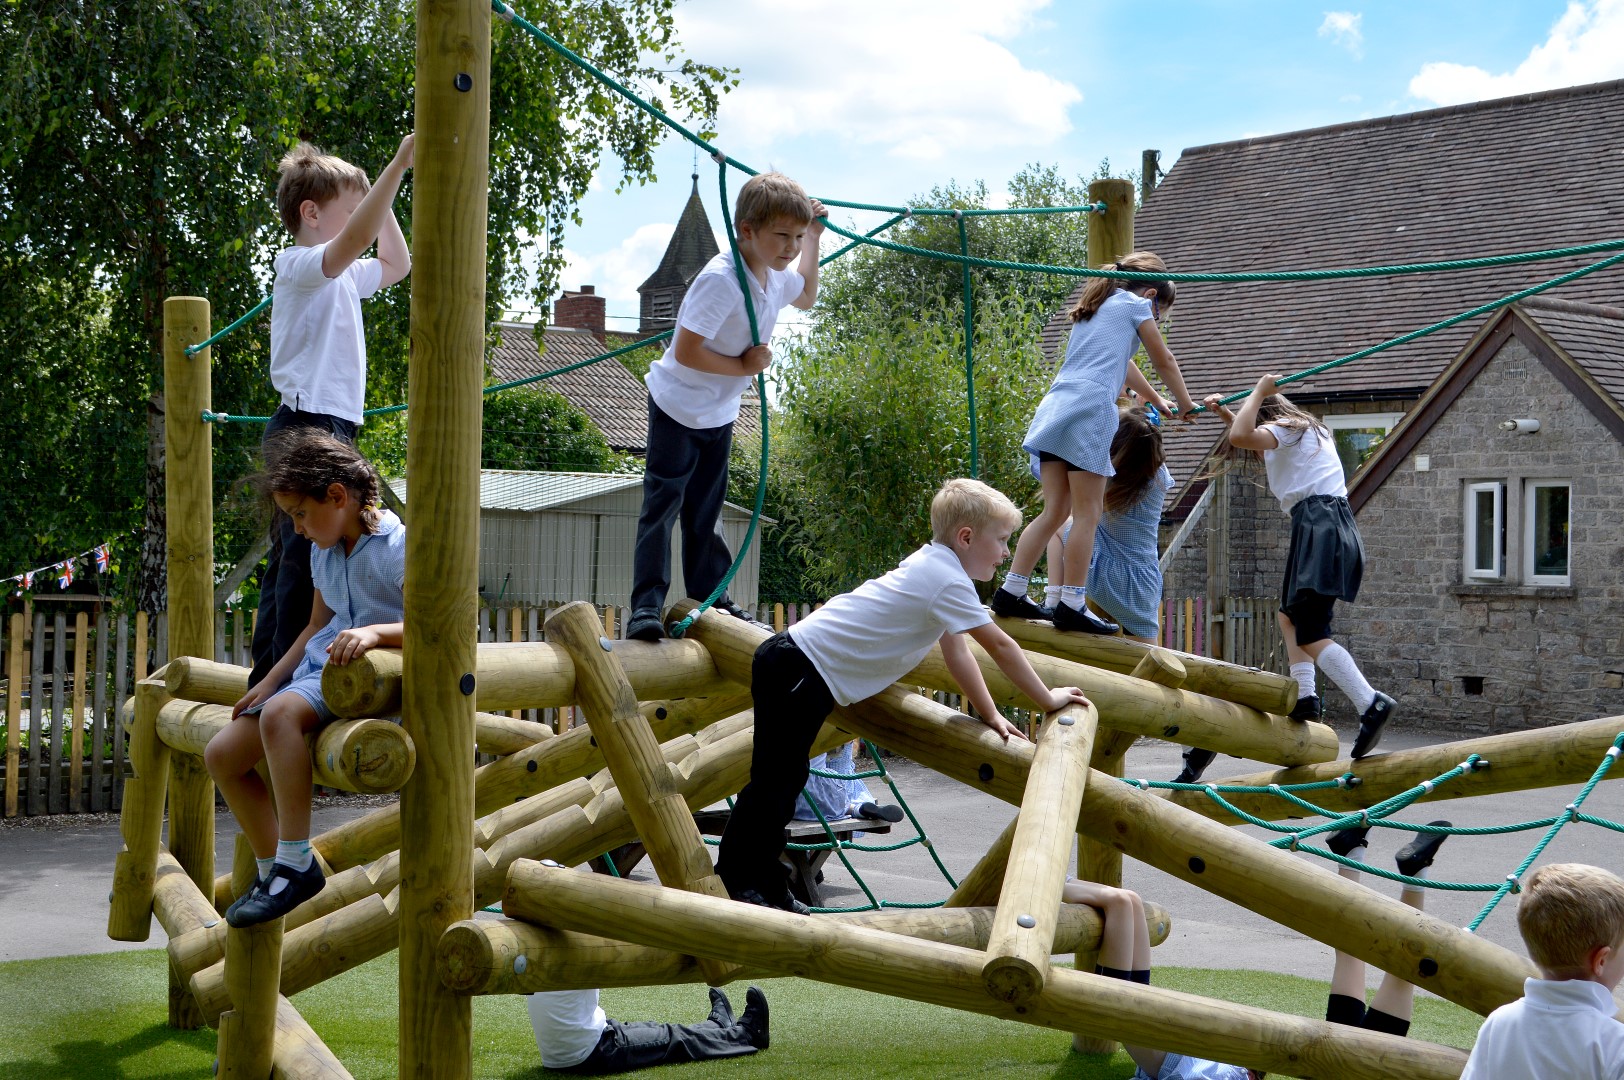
<point>515,489</point>
<point>1593,334</point>
<point>692,245</point>
<point>1517,174</point>
<point>612,397</point>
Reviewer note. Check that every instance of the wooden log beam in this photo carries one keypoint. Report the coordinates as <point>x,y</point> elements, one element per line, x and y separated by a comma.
<point>1261,690</point>
<point>300,1053</point>
<point>178,903</point>
<point>247,1045</point>
<point>366,756</point>
<point>1023,936</point>
<point>950,976</point>
<point>527,675</point>
<point>1123,702</point>
<point>982,885</point>
<point>1277,885</point>
<point>141,821</point>
<point>1096,861</point>
<point>194,679</point>
<point>1518,761</point>
<point>648,790</point>
<point>486,956</point>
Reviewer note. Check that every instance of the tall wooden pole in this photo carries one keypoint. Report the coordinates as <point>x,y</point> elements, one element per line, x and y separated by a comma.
<point>189,503</point>
<point>442,548</point>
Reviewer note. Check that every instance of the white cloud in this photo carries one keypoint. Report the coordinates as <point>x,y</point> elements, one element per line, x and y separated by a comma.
<point>1344,28</point>
<point>618,272</point>
<point>1585,45</point>
<point>913,79</point>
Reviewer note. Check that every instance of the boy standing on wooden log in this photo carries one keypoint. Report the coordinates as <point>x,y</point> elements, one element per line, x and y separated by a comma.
<point>855,646</point>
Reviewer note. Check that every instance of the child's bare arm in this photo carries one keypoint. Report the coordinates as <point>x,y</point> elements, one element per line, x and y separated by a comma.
<point>810,254</point>
<point>367,223</point>
<point>357,640</point>
<point>277,677</point>
<point>1161,358</point>
<point>1011,660</point>
<point>692,352</point>
<point>1243,429</point>
<point>1140,385</point>
<point>967,673</point>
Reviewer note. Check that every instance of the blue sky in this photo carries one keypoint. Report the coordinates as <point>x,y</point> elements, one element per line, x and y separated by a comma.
<point>879,100</point>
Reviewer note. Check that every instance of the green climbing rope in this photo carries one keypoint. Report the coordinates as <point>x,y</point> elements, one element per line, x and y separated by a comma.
<point>193,350</point>
<point>969,350</point>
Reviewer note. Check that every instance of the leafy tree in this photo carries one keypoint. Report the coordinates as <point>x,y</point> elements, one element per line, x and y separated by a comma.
<point>874,416</point>
<point>139,163</point>
<point>531,427</point>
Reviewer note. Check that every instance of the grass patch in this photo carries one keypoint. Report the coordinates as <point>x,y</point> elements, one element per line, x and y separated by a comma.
<point>69,1018</point>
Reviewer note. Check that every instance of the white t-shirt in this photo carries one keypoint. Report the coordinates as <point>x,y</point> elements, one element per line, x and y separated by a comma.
<point>318,346</point>
<point>1304,464</point>
<point>714,309</point>
<point>1560,1029</point>
<point>568,1025</point>
<point>865,640</point>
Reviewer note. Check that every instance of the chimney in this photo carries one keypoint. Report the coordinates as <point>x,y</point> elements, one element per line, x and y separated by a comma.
<point>581,311</point>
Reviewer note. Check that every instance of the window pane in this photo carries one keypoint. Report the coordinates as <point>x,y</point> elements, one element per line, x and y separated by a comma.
<point>1551,531</point>
<point>1484,548</point>
<point>1355,445</point>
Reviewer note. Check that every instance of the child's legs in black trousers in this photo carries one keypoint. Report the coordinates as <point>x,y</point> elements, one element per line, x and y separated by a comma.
<point>677,478</point>
<point>285,590</point>
<point>792,701</point>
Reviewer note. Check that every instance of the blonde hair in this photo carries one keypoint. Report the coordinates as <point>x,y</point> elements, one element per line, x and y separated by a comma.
<point>308,173</point>
<point>964,502</point>
<point>1568,911</point>
<point>1099,289</point>
<point>1279,409</point>
<point>766,197</point>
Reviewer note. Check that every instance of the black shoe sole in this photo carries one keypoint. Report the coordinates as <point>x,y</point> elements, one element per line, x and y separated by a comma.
<point>1196,761</point>
<point>1006,605</point>
<point>876,812</point>
<point>1418,853</point>
<point>1308,708</point>
<point>1082,621</point>
<point>1344,841</point>
<point>645,628</point>
<point>1371,723</point>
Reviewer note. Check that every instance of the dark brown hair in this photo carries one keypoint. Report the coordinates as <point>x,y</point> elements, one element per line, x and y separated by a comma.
<point>1136,455</point>
<point>1098,289</point>
<point>307,462</point>
<point>308,173</point>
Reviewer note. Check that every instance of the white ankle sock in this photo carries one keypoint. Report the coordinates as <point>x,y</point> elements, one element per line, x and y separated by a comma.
<point>1304,674</point>
<point>1073,596</point>
<point>1015,583</point>
<point>291,853</point>
<point>1339,667</point>
<point>264,867</point>
<point>1051,595</point>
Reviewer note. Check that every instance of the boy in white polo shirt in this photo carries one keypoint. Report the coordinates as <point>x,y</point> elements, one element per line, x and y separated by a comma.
<point>1571,918</point>
<point>858,644</point>
<point>318,345</point>
<point>694,392</point>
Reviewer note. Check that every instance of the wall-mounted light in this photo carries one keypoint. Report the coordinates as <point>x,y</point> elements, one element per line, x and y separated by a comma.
<point>1521,427</point>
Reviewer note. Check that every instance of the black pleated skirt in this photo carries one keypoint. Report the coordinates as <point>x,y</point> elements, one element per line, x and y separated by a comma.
<point>1326,556</point>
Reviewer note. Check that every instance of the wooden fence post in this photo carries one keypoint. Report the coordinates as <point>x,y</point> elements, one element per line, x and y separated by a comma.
<point>14,710</point>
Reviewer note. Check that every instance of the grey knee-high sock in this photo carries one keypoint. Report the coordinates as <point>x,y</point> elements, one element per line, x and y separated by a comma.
<point>1339,667</point>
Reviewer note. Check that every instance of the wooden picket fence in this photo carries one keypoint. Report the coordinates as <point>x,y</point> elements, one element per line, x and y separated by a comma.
<point>1243,629</point>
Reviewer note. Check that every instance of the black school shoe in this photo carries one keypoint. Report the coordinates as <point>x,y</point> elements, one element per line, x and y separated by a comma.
<point>786,903</point>
<point>754,1018</point>
<point>645,625</point>
<point>1308,708</point>
<point>721,1013</point>
<point>1196,761</point>
<point>1371,724</point>
<point>728,607</point>
<point>1081,620</point>
<point>876,812</point>
<point>1418,853</point>
<point>260,905</point>
<point>1009,606</point>
<point>1344,841</point>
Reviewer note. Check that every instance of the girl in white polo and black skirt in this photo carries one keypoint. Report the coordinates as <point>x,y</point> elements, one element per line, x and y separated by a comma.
<point>1326,559</point>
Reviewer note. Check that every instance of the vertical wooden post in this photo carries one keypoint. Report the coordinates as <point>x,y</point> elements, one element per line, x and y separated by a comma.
<point>1110,236</point>
<point>76,715</point>
<point>59,714</point>
<point>189,502</point>
<point>14,710</point>
<point>1218,566</point>
<point>449,206</point>
<point>38,703</point>
<point>253,980</point>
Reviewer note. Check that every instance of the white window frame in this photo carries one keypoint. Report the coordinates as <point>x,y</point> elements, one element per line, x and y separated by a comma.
<point>1531,544</point>
<point>1469,553</point>
<point>1356,421</point>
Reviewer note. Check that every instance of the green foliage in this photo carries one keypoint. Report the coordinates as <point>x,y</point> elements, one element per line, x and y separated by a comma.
<point>874,417</point>
<point>531,427</point>
<point>140,163</point>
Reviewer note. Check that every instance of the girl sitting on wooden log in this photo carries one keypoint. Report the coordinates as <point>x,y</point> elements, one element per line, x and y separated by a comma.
<point>358,564</point>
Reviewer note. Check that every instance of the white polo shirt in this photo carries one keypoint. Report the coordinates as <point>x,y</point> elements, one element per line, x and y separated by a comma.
<point>1304,464</point>
<point>714,309</point>
<point>1563,1029</point>
<point>865,640</point>
<point>568,1025</point>
<point>318,345</point>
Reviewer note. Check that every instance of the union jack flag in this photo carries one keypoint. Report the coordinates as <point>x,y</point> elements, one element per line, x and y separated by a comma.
<point>66,577</point>
<point>28,579</point>
<point>104,558</point>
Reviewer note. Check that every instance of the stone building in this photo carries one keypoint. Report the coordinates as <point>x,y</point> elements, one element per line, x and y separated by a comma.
<point>1481,179</point>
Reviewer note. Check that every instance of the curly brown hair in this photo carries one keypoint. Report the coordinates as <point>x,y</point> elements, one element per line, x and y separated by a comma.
<point>307,462</point>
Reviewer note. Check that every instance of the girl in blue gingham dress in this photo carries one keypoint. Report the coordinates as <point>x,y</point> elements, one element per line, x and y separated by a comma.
<point>358,566</point>
<point>1071,433</point>
<point>1125,576</point>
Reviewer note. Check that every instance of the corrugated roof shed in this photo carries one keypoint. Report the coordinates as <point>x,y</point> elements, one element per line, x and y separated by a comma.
<point>1517,174</point>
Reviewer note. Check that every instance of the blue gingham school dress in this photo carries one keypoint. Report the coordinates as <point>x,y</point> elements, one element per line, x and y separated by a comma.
<point>1124,575</point>
<point>364,588</point>
<point>1077,418</point>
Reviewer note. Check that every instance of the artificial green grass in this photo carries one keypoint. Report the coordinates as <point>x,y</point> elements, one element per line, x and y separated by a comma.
<point>80,1017</point>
